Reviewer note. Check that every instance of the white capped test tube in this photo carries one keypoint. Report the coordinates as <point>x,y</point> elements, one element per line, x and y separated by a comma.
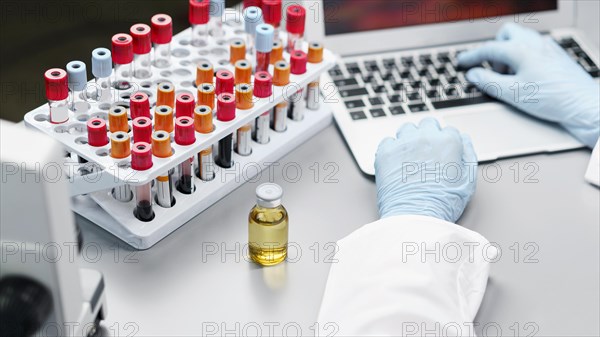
<point>77,74</point>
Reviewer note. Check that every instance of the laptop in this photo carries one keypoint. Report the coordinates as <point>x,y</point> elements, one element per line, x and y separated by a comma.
<point>397,64</point>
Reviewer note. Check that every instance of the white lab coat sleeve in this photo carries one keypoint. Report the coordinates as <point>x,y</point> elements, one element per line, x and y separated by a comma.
<point>592,173</point>
<point>406,275</point>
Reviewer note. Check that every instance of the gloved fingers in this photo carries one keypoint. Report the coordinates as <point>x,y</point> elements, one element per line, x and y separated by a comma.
<point>406,130</point>
<point>469,155</point>
<point>494,51</point>
<point>429,124</point>
<point>451,132</point>
<point>490,82</point>
<point>509,31</point>
<point>385,143</point>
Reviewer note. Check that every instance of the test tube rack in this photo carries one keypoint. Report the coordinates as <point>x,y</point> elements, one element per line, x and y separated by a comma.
<point>92,198</point>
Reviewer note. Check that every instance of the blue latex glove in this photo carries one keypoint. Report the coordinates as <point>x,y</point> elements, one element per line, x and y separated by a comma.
<point>425,171</point>
<point>551,86</point>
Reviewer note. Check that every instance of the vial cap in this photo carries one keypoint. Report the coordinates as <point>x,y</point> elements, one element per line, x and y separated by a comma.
<point>122,48</point>
<point>57,86</point>
<point>298,61</point>
<point>77,75</point>
<point>162,28</point>
<point>296,17</point>
<point>225,107</point>
<point>269,195</point>
<point>199,9</point>
<point>217,7</point>
<point>250,3</point>
<point>252,18</point>
<point>272,12</point>
<point>142,42</point>
<point>101,62</point>
<point>141,156</point>
<point>264,38</point>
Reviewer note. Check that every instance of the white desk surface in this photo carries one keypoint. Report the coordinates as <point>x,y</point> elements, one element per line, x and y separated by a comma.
<point>179,288</point>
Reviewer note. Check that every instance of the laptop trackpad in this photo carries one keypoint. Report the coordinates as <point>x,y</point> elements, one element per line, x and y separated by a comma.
<point>499,131</point>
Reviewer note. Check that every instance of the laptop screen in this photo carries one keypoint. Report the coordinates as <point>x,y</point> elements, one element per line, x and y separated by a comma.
<point>348,16</point>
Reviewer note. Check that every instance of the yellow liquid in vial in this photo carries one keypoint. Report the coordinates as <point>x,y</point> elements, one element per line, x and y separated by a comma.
<point>268,235</point>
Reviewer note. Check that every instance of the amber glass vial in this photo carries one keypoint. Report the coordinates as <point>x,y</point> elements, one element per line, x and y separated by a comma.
<point>268,226</point>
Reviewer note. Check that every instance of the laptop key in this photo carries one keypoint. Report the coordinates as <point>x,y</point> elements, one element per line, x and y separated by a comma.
<point>389,63</point>
<point>594,72</point>
<point>371,66</point>
<point>357,103</point>
<point>451,103</point>
<point>344,82</point>
<point>418,107</point>
<point>433,94</point>
<point>353,92</point>
<point>407,61</point>
<point>397,110</point>
<point>356,115</point>
<point>395,98</point>
<point>379,89</point>
<point>398,86</point>
<point>377,113</point>
<point>375,101</point>
<point>414,96</point>
<point>335,72</point>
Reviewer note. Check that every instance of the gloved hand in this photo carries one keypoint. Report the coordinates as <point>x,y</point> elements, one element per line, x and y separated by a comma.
<point>425,171</point>
<point>546,83</point>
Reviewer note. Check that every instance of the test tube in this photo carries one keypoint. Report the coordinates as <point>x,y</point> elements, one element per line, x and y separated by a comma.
<point>279,117</point>
<point>102,69</point>
<point>243,96</point>
<point>203,119</point>
<point>206,95</point>
<point>162,34</point>
<point>165,94</point>
<point>215,24</point>
<point>225,113</point>
<point>198,16</point>
<point>204,73</point>
<point>120,148</point>
<point>252,18</point>
<point>244,140</point>
<point>117,119</point>
<point>142,130</point>
<point>264,45</point>
<point>263,84</point>
<point>261,128</point>
<point>161,148</point>
<point>277,52</point>
<point>272,15</point>
<point>296,17</point>
<point>96,128</point>
<point>163,118</point>
<point>312,95</point>
<point>185,135</point>
<point>243,72</point>
<point>206,165</point>
<point>237,50</point>
<point>142,45</point>
<point>281,73</point>
<point>184,105</point>
<point>250,3</point>
<point>141,160</point>
<point>224,82</point>
<point>57,92</point>
<point>295,111</point>
<point>77,76</point>
<point>139,105</point>
<point>122,56</point>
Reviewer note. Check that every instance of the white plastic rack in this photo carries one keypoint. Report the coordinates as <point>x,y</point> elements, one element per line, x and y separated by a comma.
<point>92,197</point>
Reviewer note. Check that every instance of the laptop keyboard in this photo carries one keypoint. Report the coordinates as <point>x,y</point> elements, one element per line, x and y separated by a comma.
<point>380,87</point>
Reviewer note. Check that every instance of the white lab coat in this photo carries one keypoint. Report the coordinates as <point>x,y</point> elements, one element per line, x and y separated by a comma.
<point>402,275</point>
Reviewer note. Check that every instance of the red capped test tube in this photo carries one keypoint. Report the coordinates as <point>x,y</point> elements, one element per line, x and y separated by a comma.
<point>57,93</point>
<point>224,82</point>
<point>296,18</point>
<point>264,45</point>
<point>185,134</point>
<point>162,34</point>
<point>199,17</point>
<point>272,15</point>
<point>184,105</point>
<point>97,135</point>
<point>139,105</point>
<point>250,3</point>
<point>263,84</point>
<point>122,55</point>
<point>225,113</point>
<point>141,160</point>
<point>142,45</point>
<point>142,130</point>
